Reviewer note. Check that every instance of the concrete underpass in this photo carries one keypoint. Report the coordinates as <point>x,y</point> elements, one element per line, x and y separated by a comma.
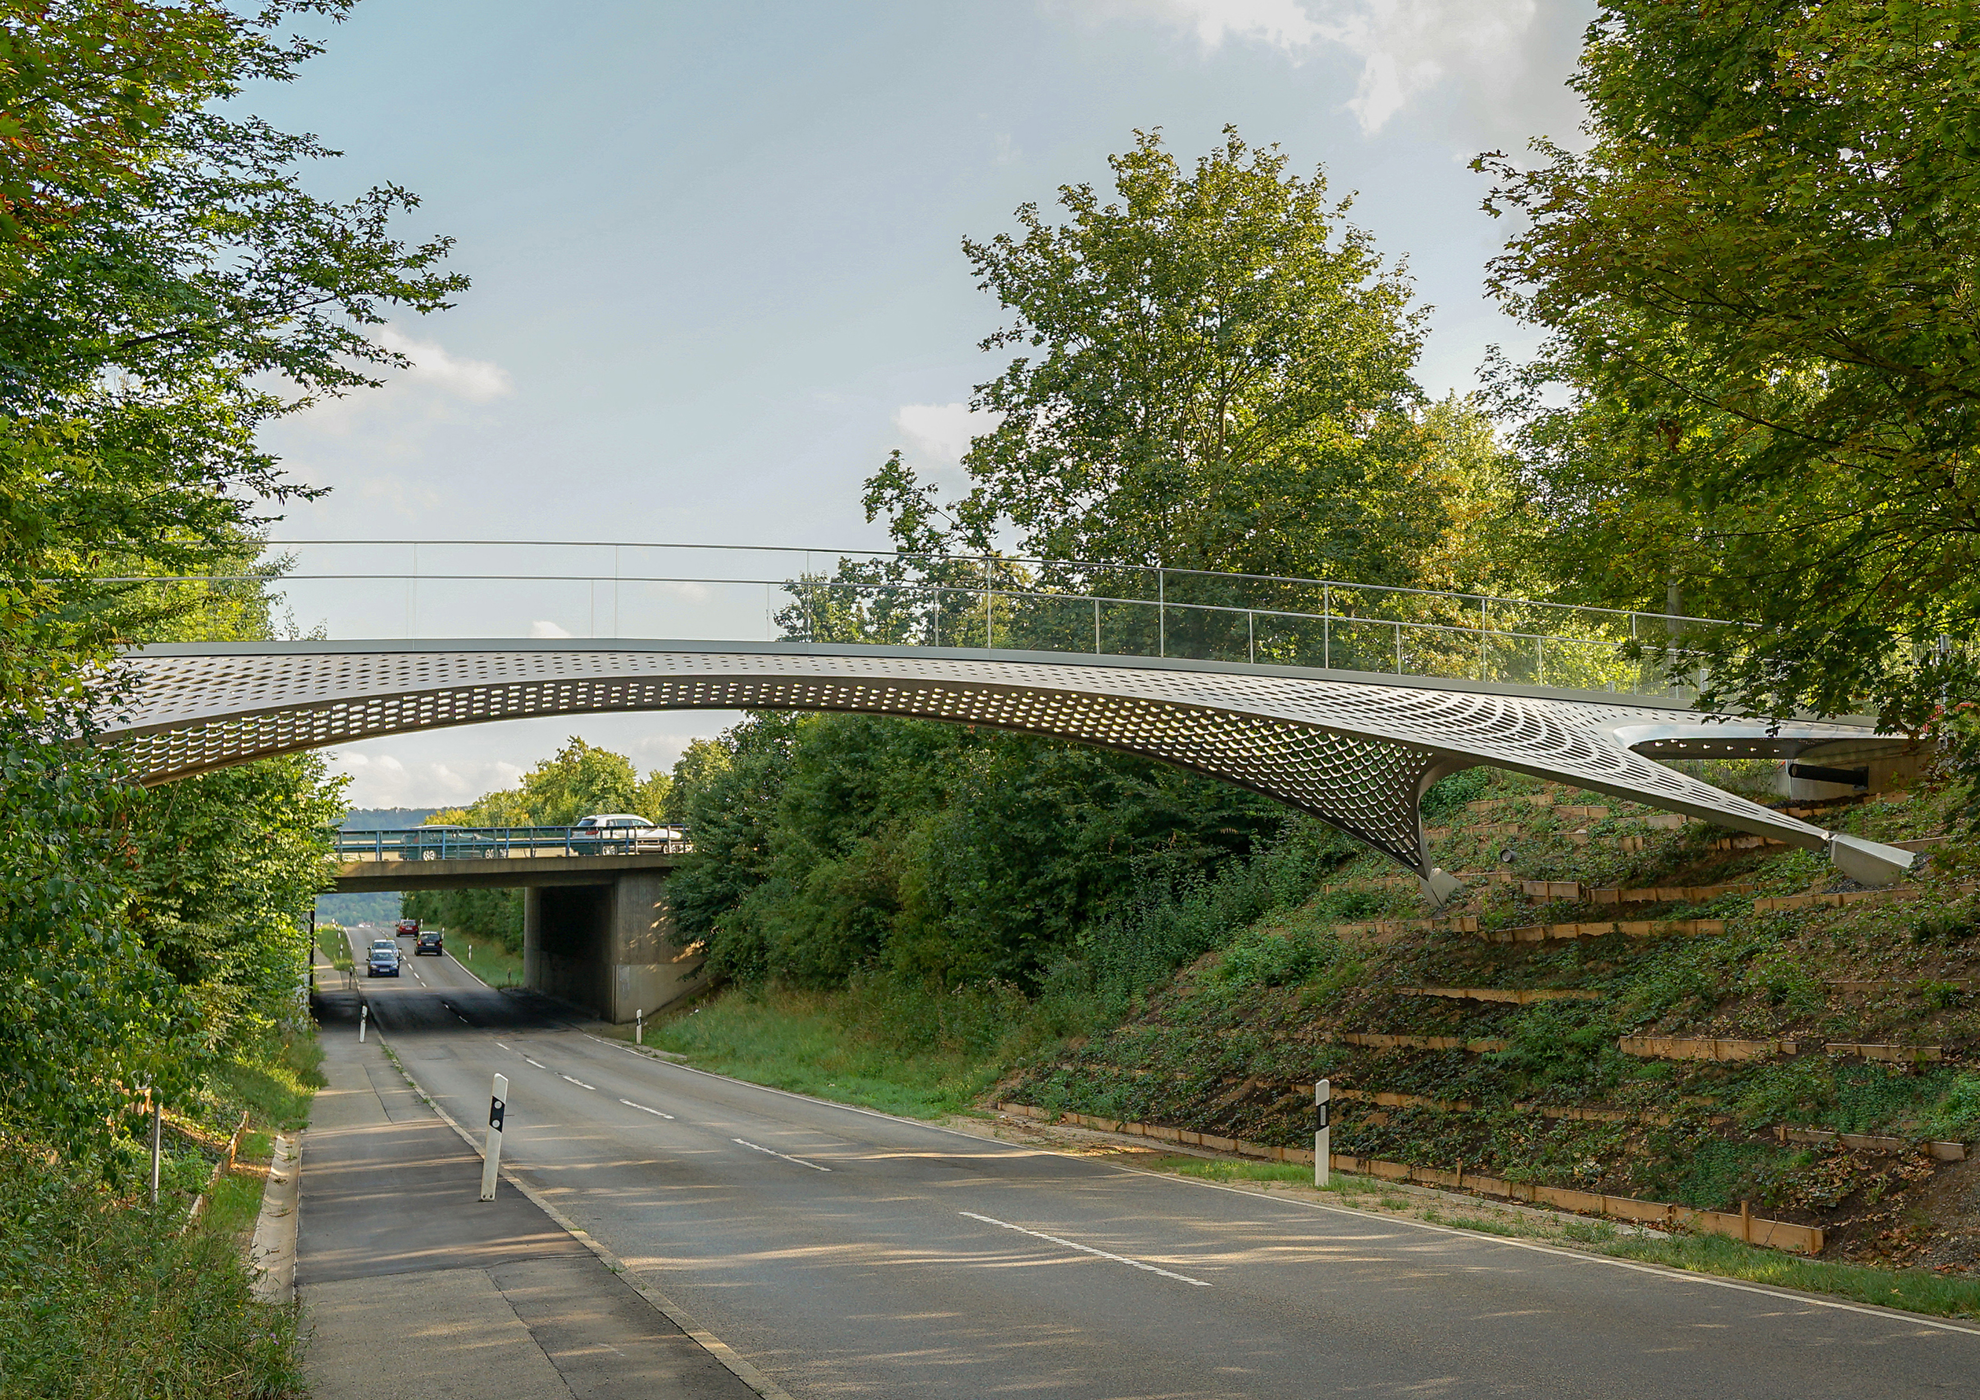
<point>598,930</point>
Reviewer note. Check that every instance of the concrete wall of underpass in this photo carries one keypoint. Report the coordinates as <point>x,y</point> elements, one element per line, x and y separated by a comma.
<point>610,948</point>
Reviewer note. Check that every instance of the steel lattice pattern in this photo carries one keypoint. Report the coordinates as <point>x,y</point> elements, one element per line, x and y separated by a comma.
<point>1352,753</point>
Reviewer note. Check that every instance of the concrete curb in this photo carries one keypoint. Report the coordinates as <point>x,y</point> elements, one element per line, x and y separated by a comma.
<point>272,1255</point>
<point>655,1299</point>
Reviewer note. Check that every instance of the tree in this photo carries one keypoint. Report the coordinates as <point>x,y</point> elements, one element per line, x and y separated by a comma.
<point>166,288</point>
<point>581,780</point>
<point>650,797</point>
<point>1758,284</point>
<point>698,766</point>
<point>1222,381</point>
<point>935,853</point>
<point>222,871</point>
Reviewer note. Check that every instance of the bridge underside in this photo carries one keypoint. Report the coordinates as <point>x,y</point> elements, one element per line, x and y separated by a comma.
<point>1356,751</point>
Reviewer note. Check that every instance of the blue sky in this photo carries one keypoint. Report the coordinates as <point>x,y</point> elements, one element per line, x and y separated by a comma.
<point>716,251</point>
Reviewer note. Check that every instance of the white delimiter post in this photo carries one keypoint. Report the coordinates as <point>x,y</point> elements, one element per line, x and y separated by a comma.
<point>639,1027</point>
<point>491,1153</point>
<point>157,1141</point>
<point>1323,1144</point>
<point>364,1020</point>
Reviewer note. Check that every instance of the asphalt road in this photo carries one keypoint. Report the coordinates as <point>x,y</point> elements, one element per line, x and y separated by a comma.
<point>849,1253</point>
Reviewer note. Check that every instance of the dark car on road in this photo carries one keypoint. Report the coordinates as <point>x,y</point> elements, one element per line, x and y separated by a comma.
<point>427,942</point>
<point>383,962</point>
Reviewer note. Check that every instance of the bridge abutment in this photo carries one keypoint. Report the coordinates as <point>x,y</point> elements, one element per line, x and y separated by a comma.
<point>610,948</point>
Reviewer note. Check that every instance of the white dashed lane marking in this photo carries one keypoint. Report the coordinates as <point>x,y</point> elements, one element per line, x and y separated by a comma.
<point>579,1082</point>
<point>774,1153</point>
<point>644,1109</point>
<point>1085,1249</point>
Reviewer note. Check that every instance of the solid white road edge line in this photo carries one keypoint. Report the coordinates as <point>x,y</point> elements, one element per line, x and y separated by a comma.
<point>1655,1270</point>
<point>655,1299</point>
<point>465,968</point>
<point>772,1151</point>
<point>1086,1249</point>
<point>644,1109</point>
<point>1661,1271</point>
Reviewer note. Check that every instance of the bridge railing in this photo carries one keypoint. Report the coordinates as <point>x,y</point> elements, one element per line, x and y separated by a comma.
<point>502,842</point>
<point>370,589</point>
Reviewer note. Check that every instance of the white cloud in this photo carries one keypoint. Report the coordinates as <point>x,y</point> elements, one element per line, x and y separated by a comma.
<point>1407,48</point>
<point>935,435</point>
<point>477,381</point>
<point>1284,24</point>
<point>546,630</point>
<point>395,422</point>
<point>384,780</point>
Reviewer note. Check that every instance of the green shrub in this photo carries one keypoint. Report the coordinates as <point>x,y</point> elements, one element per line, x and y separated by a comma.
<point>104,1299</point>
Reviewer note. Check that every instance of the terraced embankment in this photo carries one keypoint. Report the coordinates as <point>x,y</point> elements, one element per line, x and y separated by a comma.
<point>1627,1004</point>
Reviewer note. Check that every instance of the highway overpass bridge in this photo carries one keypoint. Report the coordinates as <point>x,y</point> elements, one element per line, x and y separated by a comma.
<point>1356,748</point>
<point>598,930</point>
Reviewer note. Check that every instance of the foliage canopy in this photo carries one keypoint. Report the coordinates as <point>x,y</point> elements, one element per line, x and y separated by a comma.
<point>1758,287</point>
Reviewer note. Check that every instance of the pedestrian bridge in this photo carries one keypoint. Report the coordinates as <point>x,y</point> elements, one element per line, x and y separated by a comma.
<point>1355,750</point>
<point>1344,702</point>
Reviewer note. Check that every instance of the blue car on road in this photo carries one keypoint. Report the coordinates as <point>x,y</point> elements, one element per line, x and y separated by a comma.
<point>384,962</point>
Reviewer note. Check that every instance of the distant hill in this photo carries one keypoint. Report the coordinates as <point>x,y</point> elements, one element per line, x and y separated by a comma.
<point>351,909</point>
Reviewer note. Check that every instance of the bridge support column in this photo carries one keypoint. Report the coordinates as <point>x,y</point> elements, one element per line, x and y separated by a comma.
<point>532,936</point>
<point>648,967</point>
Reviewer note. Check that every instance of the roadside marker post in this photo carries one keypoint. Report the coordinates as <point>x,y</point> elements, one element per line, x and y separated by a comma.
<point>364,1020</point>
<point>639,1027</point>
<point>157,1140</point>
<point>491,1154</point>
<point>1323,1133</point>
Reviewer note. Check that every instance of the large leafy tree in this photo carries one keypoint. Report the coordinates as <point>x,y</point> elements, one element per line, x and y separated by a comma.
<point>1760,392</point>
<point>167,286</point>
<point>1214,373</point>
<point>581,779</point>
<point>937,853</point>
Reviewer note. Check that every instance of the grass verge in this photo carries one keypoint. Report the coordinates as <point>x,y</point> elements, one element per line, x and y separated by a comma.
<point>1230,1169</point>
<point>106,1299</point>
<point>1913,1290</point>
<point>334,944</point>
<point>486,959</point>
<point>819,1044</point>
<point>103,1297</point>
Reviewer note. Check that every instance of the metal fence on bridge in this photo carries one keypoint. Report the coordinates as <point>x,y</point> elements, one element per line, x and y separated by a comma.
<point>498,842</point>
<point>373,589</point>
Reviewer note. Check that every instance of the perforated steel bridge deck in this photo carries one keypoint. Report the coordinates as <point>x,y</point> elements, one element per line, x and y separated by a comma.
<point>1357,751</point>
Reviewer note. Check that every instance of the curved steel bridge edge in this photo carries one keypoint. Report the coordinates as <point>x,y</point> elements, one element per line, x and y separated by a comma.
<point>1355,750</point>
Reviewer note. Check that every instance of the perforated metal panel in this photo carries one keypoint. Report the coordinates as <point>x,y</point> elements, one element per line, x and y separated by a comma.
<point>1353,752</point>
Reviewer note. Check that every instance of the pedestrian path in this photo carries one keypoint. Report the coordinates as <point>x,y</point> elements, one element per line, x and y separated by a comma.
<point>414,1287</point>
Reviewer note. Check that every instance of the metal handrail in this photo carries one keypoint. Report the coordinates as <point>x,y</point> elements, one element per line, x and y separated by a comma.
<point>1294,635</point>
<point>1151,569</point>
<point>492,842</point>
